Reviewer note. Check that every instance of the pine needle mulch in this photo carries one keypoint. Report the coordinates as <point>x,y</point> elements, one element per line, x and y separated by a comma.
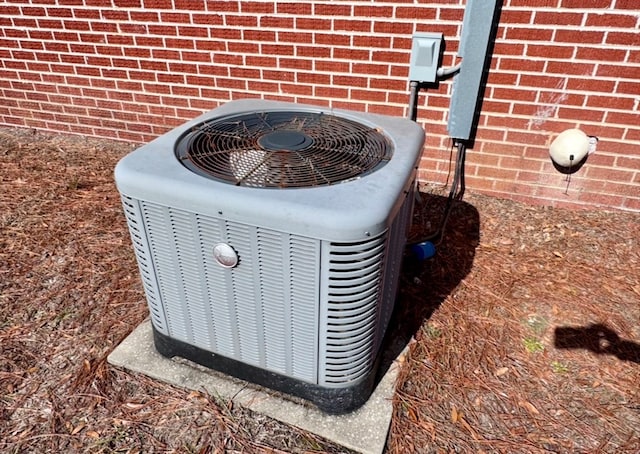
<point>69,293</point>
<point>525,326</point>
<point>528,333</point>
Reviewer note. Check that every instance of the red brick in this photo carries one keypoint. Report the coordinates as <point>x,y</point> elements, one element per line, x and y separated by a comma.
<point>227,59</point>
<point>586,3</point>
<point>579,35</point>
<point>84,13</point>
<point>623,118</point>
<point>156,4</point>
<point>222,6</point>
<point>560,97</point>
<point>627,4</point>
<point>235,84</point>
<point>332,9</point>
<point>76,25</point>
<point>498,78</point>
<point>203,57</point>
<point>263,86</point>
<point>59,12</point>
<point>580,114</point>
<point>297,89</point>
<point>629,163</point>
<point>623,38</point>
<point>352,25</point>
<point>170,78</point>
<point>294,37</point>
<point>632,134</point>
<point>184,91</point>
<point>609,174</point>
<point>557,18</point>
<point>332,66</point>
<point>632,204</point>
<point>509,48</point>
<point>619,71</point>
<point>257,7</point>
<point>352,54</point>
<point>225,33</point>
<point>387,85</point>
<point>592,84</point>
<point>400,71</point>
<point>599,54</point>
<point>383,42</point>
<point>513,94</point>
<point>393,27</point>
<point>527,138</point>
<point>313,51</point>
<point>244,73</point>
<point>186,68</point>
<point>313,78</point>
<point>599,199</point>
<point>455,13</point>
<point>519,64</point>
<point>9,10</point>
<point>611,20</point>
<point>550,51</point>
<point>119,40</point>
<point>399,42</point>
<point>33,34</point>
<point>634,56</point>
<point>611,102</point>
<point>295,63</point>
<point>278,75</point>
<point>332,39</point>
<point>330,92</point>
<point>562,67</point>
<point>207,19</point>
<point>301,9</point>
<point>306,23</point>
<point>189,5</point>
<point>241,21</point>
<point>528,34</point>
<point>388,56</point>
<point>23,22</point>
<point>415,12</point>
<point>276,49</point>
<point>626,87</point>
<point>127,3</point>
<point>350,81</point>
<point>373,11</point>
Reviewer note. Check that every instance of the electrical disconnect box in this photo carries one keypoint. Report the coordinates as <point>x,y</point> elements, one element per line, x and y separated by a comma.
<point>425,55</point>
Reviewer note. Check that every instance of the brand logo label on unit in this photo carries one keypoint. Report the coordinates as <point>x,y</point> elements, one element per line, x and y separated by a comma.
<point>225,255</point>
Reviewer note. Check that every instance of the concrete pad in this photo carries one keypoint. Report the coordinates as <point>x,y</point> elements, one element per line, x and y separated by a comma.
<point>364,430</point>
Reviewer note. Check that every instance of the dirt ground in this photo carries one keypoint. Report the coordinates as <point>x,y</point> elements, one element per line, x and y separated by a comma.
<point>524,329</point>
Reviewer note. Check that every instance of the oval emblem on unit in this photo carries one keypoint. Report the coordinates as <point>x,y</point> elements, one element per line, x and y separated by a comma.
<point>225,255</point>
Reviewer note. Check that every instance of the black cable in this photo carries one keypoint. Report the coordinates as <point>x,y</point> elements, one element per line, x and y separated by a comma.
<point>455,193</point>
<point>458,184</point>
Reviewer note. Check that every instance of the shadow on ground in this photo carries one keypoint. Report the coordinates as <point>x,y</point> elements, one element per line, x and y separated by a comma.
<point>597,338</point>
<point>426,284</point>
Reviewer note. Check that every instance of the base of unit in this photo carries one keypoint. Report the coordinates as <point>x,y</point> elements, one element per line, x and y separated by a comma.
<point>329,400</point>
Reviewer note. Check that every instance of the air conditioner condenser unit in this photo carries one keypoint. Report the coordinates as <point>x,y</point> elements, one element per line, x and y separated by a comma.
<point>269,238</point>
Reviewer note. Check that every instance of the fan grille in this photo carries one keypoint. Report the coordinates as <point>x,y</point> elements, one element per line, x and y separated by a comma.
<point>283,149</point>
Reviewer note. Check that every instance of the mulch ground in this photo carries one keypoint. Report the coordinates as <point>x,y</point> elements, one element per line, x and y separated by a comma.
<point>523,330</point>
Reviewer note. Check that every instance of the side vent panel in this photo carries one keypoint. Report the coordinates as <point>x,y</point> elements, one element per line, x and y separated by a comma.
<point>145,264</point>
<point>350,309</point>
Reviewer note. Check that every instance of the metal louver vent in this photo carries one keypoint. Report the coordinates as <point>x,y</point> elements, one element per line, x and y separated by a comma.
<point>355,276</point>
<point>283,149</point>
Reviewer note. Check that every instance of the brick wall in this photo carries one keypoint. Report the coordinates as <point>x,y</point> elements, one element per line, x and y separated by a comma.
<point>132,69</point>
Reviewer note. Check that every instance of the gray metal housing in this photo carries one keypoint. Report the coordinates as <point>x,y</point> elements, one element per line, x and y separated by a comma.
<point>314,287</point>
